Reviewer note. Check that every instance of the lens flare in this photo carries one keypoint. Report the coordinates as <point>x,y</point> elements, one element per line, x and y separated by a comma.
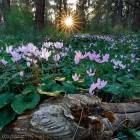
<point>69,21</point>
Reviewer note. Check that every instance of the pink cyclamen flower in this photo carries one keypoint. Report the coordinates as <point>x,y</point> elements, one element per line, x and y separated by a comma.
<point>47,44</point>
<point>93,56</point>
<point>45,54</point>
<point>15,56</point>
<point>56,57</point>
<point>78,57</point>
<point>98,85</point>
<point>75,77</point>
<point>58,45</point>
<point>90,72</point>
<point>86,55</point>
<point>105,58</point>
<point>101,84</point>
<point>93,87</point>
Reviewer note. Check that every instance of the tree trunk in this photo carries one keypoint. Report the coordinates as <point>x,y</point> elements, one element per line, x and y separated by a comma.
<point>76,117</point>
<point>81,8</point>
<point>118,11</point>
<point>1,15</point>
<point>39,14</point>
<point>136,20</point>
<point>5,9</point>
<point>6,4</point>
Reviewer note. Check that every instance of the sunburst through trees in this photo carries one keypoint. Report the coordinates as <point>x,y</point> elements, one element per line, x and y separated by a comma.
<point>68,23</point>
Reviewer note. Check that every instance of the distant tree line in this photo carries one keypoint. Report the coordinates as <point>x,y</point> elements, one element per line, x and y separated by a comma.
<point>91,13</point>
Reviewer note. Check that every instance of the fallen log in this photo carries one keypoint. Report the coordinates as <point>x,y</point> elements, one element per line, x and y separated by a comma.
<point>73,117</point>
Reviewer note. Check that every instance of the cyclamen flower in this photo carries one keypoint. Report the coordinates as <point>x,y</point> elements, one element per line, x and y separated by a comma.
<point>118,64</point>
<point>86,55</point>
<point>98,85</point>
<point>122,66</point>
<point>101,84</point>
<point>56,58</point>
<point>28,64</point>
<point>32,50</point>
<point>93,56</point>
<point>90,72</point>
<point>4,62</point>
<point>47,44</point>
<point>75,77</point>
<point>93,87</point>
<point>78,57</point>
<point>15,56</point>
<point>58,45</point>
<point>45,54</point>
<point>105,58</point>
<point>21,73</point>
<point>9,49</point>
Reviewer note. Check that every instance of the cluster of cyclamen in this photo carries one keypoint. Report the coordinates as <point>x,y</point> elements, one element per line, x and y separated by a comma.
<point>89,72</point>
<point>93,56</point>
<point>31,53</point>
<point>100,84</point>
<point>94,37</point>
<point>118,64</point>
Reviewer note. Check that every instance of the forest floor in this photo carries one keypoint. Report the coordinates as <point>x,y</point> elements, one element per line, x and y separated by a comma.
<point>102,66</point>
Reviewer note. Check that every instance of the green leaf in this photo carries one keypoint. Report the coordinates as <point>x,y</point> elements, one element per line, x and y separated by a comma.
<point>5,99</point>
<point>6,116</point>
<point>23,102</point>
<point>51,87</point>
<point>29,89</point>
<point>57,88</point>
<point>69,88</point>
<point>135,90</point>
<point>138,133</point>
<point>127,79</point>
<point>88,81</point>
<point>131,134</point>
<point>114,89</point>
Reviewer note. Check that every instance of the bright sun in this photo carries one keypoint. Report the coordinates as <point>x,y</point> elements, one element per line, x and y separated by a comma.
<point>69,21</point>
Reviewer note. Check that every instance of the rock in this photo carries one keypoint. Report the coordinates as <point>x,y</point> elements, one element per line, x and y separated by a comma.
<point>54,118</point>
<point>74,117</point>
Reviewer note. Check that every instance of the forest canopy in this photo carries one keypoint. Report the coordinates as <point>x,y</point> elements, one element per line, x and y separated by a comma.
<point>93,15</point>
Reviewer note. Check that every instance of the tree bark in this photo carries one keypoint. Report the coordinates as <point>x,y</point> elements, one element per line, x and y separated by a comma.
<point>39,14</point>
<point>136,19</point>
<point>98,120</point>
<point>81,8</point>
<point>6,4</point>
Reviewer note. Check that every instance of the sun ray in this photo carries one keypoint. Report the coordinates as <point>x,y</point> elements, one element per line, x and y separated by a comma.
<point>68,23</point>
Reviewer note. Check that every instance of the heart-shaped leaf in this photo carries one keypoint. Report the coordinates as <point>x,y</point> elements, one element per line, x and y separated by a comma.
<point>23,102</point>
<point>6,116</point>
<point>5,99</point>
<point>69,88</point>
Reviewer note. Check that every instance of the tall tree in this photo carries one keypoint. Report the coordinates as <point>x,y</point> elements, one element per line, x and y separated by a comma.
<point>6,4</point>
<point>5,9</point>
<point>40,14</point>
<point>81,11</point>
<point>1,13</point>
